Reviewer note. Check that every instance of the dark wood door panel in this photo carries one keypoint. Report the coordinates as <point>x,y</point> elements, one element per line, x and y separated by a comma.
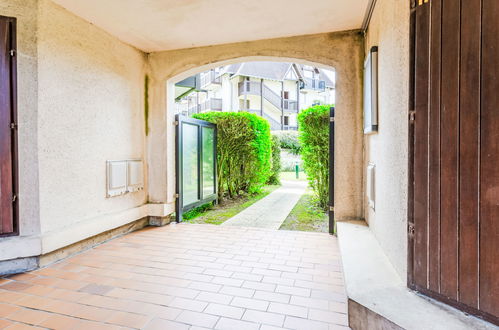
<point>434,148</point>
<point>469,159</point>
<point>489,170</point>
<point>454,154</point>
<point>6,182</point>
<point>450,144</point>
<point>421,147</point>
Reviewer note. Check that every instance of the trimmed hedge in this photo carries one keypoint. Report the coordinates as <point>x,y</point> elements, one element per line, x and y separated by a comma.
<point>314,139</point>
<point>243,151</point>
<point>276,161</point>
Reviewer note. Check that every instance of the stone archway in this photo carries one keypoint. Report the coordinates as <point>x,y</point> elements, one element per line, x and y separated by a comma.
<point>342,51</point>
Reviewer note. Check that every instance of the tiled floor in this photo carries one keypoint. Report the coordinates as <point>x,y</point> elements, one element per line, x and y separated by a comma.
<point>186,277</point>
<point>271,211</point>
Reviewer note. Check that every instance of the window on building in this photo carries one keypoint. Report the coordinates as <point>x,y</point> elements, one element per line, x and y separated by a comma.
<point>285,120</point>
<point>244,104</point>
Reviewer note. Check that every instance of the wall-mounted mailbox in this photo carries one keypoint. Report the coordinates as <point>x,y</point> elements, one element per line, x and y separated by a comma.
<point>124,176</point>
<point>135,176</point>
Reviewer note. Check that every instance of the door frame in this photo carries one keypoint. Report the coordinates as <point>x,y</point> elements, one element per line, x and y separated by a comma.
<point>179,207</point>
<point>13,125</point>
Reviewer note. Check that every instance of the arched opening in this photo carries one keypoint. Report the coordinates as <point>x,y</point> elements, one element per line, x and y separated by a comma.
<point>189,73</point>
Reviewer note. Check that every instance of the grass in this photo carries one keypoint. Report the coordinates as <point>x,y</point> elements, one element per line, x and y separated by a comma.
<point>291,176</point>
<point>217,214</point>
<point>305,216</point>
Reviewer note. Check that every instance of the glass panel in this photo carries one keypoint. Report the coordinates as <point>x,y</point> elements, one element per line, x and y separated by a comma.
<point>208,161</point>
<point>190,163</point>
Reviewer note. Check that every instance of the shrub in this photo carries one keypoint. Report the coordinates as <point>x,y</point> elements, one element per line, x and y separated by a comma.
<point>314,139</point>
<point>276,161</point>
<point>243,151</point>
<point>289,140</point>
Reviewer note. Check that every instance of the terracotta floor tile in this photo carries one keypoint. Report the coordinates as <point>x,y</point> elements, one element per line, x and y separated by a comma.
<point>61,322</point>
<point>16,286</point>
<point>10,296</point>
<point>29,316</point>
<point>128,319</point>
<point>23,277</point>
<point>39,290</point>
<point>22,326</point>
<point>134,281</point>
<point>5,323</point>
<point>6,310</point>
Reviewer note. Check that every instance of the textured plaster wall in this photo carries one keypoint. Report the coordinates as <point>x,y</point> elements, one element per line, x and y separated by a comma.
<point>27,80</point>
<point>342,51</point>
<point>90,109</point>
<point>388,149</point>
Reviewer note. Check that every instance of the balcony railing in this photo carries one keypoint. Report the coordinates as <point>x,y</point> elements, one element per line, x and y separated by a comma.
<point>255,88</point>
<point>210,77</point>
<point>212,104</point>
<point>313,84</point>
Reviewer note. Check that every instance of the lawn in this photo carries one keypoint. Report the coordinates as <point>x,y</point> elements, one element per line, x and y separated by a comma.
<point>222,212</point>
<point>305,216</point>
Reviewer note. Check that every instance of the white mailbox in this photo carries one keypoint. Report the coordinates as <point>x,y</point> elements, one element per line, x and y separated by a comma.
<point>116,178</point>
<point>135,176</point>
<point>124,176</point>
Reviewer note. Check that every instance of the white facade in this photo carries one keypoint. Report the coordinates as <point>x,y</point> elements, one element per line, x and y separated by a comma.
<point>278,95</point>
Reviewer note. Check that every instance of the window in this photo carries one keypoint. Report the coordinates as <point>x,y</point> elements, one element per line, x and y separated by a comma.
<point>285,120</point>
<point>244,105</point>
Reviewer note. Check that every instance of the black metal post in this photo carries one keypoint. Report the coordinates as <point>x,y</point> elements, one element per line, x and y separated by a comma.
<point>331,171</point>
<point>178,169</point>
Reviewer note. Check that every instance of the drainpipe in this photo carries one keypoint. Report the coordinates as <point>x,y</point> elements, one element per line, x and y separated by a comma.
<point>297,100</point>
<point>282,105</point>
<point>261,97</point>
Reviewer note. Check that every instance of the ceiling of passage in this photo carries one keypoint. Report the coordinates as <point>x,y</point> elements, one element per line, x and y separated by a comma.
<point>156,25</point>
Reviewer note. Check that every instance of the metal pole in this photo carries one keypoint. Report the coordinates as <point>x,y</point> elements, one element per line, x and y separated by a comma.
<point>331,171</point>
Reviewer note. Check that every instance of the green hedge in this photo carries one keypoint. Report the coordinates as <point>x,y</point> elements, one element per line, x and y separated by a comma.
<point>276,161</point>
<point>314,138</point>
<point>244,151</point>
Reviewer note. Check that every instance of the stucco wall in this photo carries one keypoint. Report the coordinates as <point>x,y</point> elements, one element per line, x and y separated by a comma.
<point>388,149</point>
<point>90,109</point>
<point>342,51</point>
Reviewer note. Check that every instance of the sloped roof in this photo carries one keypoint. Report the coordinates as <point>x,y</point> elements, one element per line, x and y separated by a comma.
<point>265,70</point>
<point>271,70</point>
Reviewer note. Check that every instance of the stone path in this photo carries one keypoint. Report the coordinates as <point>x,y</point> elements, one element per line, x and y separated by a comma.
<point>271,211</point>
<point>186,277</point>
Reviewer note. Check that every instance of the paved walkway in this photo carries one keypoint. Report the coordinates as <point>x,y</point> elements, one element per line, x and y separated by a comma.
<point>186,276</point>
<point>271,211</point>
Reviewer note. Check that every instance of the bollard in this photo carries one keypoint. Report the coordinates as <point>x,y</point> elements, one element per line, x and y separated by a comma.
<point>297,170</point>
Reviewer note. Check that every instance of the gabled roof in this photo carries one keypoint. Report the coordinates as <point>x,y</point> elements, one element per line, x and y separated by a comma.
<point>265,70</point>
<point>272,70</point>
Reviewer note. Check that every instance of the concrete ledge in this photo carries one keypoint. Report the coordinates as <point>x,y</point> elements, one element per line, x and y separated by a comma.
<point>372,282</point>
<point>90,242</point>
<point>23,264</point>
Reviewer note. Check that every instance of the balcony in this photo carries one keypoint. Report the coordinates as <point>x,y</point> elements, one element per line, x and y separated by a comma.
<point>212,104</point>
<point>313,84</point>
<point>210,79</point>
<point>255,88</point>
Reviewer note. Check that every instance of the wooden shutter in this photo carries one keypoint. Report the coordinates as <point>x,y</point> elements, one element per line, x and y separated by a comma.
<point>8,127</point>
<point>454,154</point>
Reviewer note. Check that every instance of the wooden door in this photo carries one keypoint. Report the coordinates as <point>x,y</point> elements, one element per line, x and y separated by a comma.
<point>454,153</point>
<point>8,126</point>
